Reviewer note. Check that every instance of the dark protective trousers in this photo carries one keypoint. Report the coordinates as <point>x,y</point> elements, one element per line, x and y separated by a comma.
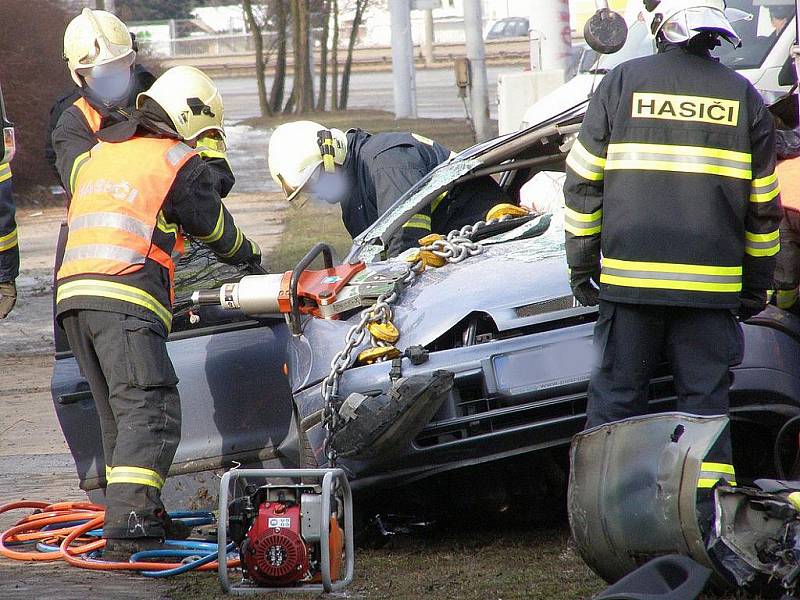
<point>787,265</point>
<point>631,340</point>
<point>133,383</point>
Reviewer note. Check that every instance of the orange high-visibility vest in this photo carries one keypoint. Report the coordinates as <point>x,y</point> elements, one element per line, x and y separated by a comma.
<point>116,207</point>
<point>93,118</point>
<point>789,179</point>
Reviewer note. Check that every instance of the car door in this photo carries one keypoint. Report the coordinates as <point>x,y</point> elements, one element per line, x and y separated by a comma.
<point>235,399</point>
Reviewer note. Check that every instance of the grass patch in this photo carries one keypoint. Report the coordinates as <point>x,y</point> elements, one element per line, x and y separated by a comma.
<point>453,133</point>
<point>315,222</point>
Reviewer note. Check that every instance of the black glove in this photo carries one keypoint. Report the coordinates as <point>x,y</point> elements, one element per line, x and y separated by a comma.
<point>253,264</point>
<point>752,302</point>
<point>583,288</point>
<point>8,298</point>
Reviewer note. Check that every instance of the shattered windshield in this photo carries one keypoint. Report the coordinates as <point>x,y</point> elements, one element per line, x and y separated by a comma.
<point>759,29</point>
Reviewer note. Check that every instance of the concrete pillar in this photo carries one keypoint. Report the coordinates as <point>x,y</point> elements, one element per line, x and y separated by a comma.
<point>428,38</point>
<point>405,101</point>
<point>551,19</point>
<point>479,93</point>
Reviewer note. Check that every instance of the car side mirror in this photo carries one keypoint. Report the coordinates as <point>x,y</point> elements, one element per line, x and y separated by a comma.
<point>605,31</point>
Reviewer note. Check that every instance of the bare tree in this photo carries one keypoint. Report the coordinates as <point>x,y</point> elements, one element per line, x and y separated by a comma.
<point>335,58</point>
<point>322,98</point>
<point>281,31</point>
<point>261,63</point>
<point>358,17</point>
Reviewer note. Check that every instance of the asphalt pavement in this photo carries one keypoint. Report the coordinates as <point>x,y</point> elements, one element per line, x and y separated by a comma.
<point>437,95</point>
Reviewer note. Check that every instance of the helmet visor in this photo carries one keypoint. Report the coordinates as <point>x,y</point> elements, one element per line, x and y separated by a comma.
<point>693,21</point>
<point>293,190</point>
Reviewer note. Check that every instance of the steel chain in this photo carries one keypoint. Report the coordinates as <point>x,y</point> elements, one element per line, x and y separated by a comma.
<point>455,247</point>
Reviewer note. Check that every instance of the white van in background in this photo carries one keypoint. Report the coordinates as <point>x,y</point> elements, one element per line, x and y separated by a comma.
<point>764,58</point>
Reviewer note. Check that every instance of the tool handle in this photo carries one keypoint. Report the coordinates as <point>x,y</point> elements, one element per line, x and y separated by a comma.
<point>294,300</point>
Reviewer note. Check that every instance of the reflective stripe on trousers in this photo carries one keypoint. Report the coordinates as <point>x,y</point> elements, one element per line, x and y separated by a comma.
<point>136,476</point>
<point>711,473</point>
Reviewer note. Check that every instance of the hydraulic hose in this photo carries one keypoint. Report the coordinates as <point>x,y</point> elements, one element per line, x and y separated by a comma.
<point>71,531</point>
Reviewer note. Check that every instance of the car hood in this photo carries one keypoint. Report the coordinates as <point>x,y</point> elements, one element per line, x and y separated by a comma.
<point>572,94</point>
<point>507,281</point>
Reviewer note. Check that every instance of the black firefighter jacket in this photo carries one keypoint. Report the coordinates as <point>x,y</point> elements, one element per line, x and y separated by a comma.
<point>382,167</point>
<point>672,179</point>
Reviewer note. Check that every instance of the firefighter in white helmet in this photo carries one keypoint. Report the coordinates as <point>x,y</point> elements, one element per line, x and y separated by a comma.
<point>138,191</point>
<point>366,173</point>
<point>672,213</point>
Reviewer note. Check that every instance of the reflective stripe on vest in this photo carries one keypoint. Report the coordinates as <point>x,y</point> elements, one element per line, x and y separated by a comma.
<point>762,244</point>
<point>5,172</point>
<point>93,118</point>
<point>116,291</point>
<point>116,208</point>
<point>681,159</point>
<point>671,276</point>
<point>788,174</point>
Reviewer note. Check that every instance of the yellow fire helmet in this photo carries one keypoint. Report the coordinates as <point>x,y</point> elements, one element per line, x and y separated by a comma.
<point>297,149</point>
<point>96,38</point>
<point>190,98</point>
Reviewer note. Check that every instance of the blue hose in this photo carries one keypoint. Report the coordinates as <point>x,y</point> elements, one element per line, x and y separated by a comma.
<point>178,554</point>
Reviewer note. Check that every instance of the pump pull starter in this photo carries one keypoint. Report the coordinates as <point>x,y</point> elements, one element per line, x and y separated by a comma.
<point>324,294</point>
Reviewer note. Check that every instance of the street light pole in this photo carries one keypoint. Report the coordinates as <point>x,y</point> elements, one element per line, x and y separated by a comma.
<point>479,92</point>
<point>405,91</point>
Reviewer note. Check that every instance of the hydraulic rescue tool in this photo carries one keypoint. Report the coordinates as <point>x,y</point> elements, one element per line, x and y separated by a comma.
<point>291,537</point>
<point>325,294</point>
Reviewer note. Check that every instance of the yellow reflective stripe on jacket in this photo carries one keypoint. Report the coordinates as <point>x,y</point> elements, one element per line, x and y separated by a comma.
<point>419,221</point>
<point>169,228</point>
<point>584,163</point>
<point>581,224</point>
<point>762,244</point>
<point>681,159</point>
<point>764,189</point>
<point>5,172</point>
<point>108,471</point>
<point>135,475</point>
<point>117,291</point>
<point>671,276</point>
<point>712,472</point>
<point>9,240</point>
<point>437,201</point>
<point>216,233</point>
<point>787,298</point>
<point>76,167</point>
<point>236,245</point>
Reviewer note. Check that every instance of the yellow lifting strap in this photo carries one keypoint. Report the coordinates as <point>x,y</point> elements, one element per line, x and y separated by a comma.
<point>501,210</point>
<point>385,332</point>
<point>372,355</point>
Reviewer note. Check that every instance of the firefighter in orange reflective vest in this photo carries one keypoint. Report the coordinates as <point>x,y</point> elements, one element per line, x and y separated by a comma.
<point>787,269</point>
<point>9,250</point>
<point>134,195</point>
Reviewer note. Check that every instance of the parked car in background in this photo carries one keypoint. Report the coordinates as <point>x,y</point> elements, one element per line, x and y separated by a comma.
<point>510,27</point>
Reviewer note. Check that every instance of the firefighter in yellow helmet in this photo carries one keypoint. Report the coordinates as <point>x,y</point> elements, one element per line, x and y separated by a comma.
<point>136,193</point>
